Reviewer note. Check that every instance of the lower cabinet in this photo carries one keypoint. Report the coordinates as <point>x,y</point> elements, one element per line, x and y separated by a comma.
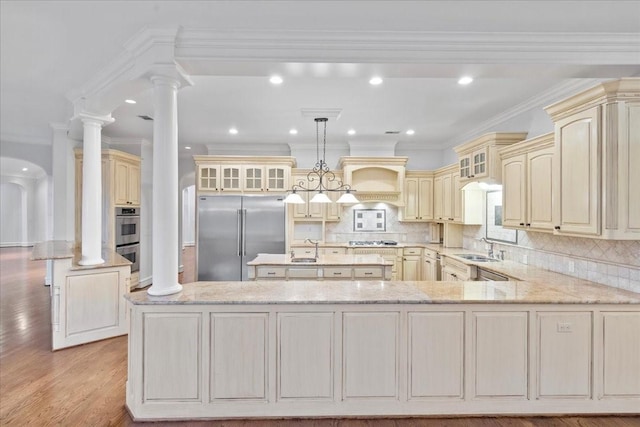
<point>297,360</point>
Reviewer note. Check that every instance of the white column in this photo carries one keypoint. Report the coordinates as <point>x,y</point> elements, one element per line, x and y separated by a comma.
<point>63,162</point>
<point>92,190</point>
<point>165,187</point>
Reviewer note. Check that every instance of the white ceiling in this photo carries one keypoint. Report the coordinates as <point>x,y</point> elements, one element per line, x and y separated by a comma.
<point>50,48</point>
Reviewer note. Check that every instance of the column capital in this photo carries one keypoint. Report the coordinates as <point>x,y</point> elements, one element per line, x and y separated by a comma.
<point>170,74</point>
<point>59,127</point>
<point>101,120</point>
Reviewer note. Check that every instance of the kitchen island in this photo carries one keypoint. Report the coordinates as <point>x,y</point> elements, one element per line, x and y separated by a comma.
<point>382,348</point>
<point>322,267</point>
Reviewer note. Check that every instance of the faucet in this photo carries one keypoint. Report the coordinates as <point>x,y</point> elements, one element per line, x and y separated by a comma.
<point>313,243</point>
<point>490,252</point>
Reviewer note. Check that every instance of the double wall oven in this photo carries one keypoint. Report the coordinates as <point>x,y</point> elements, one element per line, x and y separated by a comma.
<point>128,235</point>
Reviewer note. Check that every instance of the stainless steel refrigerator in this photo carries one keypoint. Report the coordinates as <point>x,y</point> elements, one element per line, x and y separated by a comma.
<point>232,230</point>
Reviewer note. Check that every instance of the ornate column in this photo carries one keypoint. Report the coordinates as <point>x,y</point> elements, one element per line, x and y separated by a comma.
<point>92,189</point>
<point>165,187</point>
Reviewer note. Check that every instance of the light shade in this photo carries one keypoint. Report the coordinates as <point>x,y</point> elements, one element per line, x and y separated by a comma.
<point>294,198</point>
<point>348,198</point>
<point>320,198</point>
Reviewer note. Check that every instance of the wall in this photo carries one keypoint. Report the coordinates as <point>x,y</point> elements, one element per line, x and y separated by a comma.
<point>342,231</point>
<point>13,225</point>
<point>26,210</point>
<point>609,262</point>
<point>189,216</point>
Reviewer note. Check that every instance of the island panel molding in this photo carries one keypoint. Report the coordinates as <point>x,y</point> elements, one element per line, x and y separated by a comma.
<point>387,349</point>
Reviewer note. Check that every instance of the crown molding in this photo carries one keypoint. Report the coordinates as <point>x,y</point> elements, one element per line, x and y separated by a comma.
<point>248,149</point>
<point>540,100</point>
<point>124,141</point>
<point>409,46</point>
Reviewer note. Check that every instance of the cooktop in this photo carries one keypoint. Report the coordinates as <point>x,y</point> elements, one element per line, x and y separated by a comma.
<point>372,242</point>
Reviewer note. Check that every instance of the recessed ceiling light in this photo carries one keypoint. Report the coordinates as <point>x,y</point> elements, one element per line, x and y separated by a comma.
<point>465,80</point>
<point>233,131</point>
<point>130,101</point>
<point>293,132</point>
<point>187,148</point>
<point>410,132</point>
<point>351,132</point>
<point>25,169</point>
<point>375,81</point>
<point>276,80</point>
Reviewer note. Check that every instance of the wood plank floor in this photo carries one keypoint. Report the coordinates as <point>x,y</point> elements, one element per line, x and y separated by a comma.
<point>84,385</point>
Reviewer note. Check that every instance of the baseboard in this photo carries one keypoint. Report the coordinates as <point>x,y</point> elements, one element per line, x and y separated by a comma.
<point>185,244</point>
<point>15,244</point>
<point>143,283</point>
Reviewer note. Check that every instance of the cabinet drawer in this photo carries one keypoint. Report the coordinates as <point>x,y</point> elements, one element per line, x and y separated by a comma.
<point>337,273</point>
<point>270,272</point>
<point>367,273</point>
<point>302,252</point>
<point>430,254</point>
<point>303,273</point>
<point>334,251</point>
<point>412,251</point>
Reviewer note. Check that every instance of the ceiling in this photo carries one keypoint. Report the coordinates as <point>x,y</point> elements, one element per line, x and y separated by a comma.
<point>51,48</point>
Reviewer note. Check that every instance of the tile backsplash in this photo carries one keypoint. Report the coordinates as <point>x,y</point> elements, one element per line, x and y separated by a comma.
<point>610,262</point>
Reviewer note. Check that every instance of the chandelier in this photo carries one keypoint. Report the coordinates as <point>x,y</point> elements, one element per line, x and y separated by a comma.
<point>320,179</point>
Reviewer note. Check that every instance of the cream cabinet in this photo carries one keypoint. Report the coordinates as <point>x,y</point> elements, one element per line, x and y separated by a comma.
<point>453,203</point>
<point>411,264</point>
<point>243,174</point>
<point>430,265</point>
<point>478,160</point>
<point>389,254</point>
<point>454,270</point>
<point>418,197</point>
<point>597,150</point>
<point>306,210</point>
<point>333,210</point>
<point>528,173</point>
<point>126,181</point>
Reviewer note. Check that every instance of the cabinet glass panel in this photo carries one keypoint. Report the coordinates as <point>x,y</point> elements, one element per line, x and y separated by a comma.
<point>253,178</point>
<point>276,178</point>
<point>479,163</point>
<point>464,167</point>
<point>208,178</point>
<point>231,178</point>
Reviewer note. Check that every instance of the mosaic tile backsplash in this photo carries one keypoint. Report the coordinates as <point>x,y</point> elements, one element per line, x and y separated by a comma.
<point>609,262</point>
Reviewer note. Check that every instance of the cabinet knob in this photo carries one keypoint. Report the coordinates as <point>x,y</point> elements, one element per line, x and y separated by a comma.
<point>428,262</point>
<point>557,227</point>
<point>522,223</point>
<point>528,225</point>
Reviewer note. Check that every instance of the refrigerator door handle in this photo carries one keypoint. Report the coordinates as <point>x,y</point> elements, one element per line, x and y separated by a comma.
<point>244,232</point>
<point>239,233</point>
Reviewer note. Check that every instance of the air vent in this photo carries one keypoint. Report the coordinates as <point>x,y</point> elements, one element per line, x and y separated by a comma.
<point>146,117</point>
<point>392,132</point>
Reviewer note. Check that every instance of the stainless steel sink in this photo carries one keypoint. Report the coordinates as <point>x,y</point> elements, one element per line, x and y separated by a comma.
<point>476,258</point>
<point>303,260</point>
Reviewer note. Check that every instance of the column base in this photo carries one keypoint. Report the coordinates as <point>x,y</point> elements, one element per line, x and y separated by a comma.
<point>90,261</point>
<point>153,290</point>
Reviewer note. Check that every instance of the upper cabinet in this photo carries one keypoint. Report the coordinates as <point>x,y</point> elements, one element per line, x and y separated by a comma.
<point>418,197</point>
<point>527,184</point>
<point>126,180</point>
<point>375,179</point>
<point>452,202</point>
<point>239,174</point>
<point>478,160</point>
<point>597,152</point>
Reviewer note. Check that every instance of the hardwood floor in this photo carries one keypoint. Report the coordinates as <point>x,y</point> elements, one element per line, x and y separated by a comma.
<point>84,385</point>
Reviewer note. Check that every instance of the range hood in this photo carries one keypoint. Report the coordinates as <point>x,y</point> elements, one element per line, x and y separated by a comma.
<point>376,179</point>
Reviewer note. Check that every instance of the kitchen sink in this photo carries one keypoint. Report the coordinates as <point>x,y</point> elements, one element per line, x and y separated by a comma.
<point>303,260</point>
<point>476,258</point>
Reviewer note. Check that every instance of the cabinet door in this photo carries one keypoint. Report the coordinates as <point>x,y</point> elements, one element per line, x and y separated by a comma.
<point>277,178</point>
<point>410,199</point>
<point>465,166</point>
<point>230,178</point>
<point>411,267</point>
<point>479,163</point>
<point>514,194</point>
<point>577,187</point>
<point>425,198</point>
<point>438,197</point>
<point>457,199</point>
<point>540,189</point>
<point>253,179</point>
<point>333,210</point>
<point>121,183</point>
<point>447,200</point>
<point>208,178</point>
<point>134,185</point>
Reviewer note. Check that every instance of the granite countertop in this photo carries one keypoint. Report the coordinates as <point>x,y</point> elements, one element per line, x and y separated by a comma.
<point>61,249</point>
<point>381,292</point>
<point>323,260</point>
